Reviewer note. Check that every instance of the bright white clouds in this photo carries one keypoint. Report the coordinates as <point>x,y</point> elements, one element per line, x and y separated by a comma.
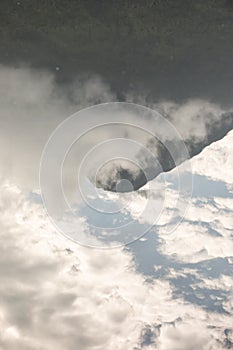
<point>206,230</point>
<point>91,299</point>
<point>216,161</point>
<point>55,294</point>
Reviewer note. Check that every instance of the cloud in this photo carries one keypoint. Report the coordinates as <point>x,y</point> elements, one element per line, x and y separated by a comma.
<point>205,231</point>
<point>192,118</point>
<point>58,295</point>
<point>83,295</point>
<point>205,227</point>
<point>216,161</point>
<point>187,337</point>
<point>33,104</point>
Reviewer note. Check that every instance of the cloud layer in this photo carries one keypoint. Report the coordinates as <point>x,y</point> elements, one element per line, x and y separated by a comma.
<point>55,294</point>
<point>58,295</point>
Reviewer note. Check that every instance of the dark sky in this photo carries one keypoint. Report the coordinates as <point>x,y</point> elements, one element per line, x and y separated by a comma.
<point>164,48</point>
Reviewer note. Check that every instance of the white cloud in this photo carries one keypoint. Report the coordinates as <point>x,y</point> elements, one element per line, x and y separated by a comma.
<point>58,295</point>
<point>192,118</point>
<point>190,336</point>
<point>216,161</point>
<point>32,106</point>
<point>205,229</point>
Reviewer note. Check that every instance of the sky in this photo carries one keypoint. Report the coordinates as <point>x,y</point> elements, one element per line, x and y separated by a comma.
<point>116,192</point>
